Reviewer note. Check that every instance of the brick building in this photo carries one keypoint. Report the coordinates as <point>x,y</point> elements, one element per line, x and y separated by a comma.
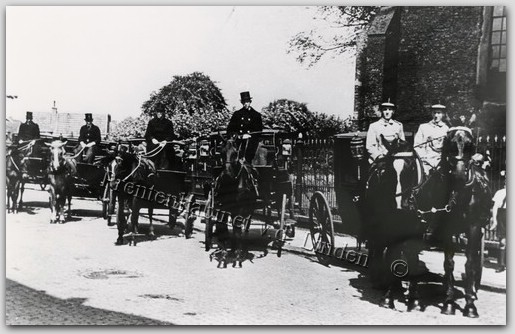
<point>418,56</point>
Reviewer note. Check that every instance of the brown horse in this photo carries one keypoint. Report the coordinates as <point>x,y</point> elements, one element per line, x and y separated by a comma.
<point>456,199</point>
<point>235,192</point>
<point>13,177</point>
<point>138,172</point>
<point>391,225</point>
<point>60,176</point>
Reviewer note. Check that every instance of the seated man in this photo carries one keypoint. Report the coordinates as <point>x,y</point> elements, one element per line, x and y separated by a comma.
<point>159,132</point>
<point>388,128</point>
<point>27,132</point>
<point>89,138</point>
<point>429,139</point>
<point>244,122</point>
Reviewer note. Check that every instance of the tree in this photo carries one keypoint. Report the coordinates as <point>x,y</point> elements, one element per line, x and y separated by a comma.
<point>336,35</point>
<point>293,116</point>
<point>130,128</point>
<point>193,102</point>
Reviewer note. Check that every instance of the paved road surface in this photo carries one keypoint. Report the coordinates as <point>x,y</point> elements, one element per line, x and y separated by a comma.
<point>73,274</point>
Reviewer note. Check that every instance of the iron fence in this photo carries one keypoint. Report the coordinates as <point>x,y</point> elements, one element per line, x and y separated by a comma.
<point>313,170</point>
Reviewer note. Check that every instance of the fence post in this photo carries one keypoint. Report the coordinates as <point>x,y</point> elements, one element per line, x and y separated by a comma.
<point>298,179</point>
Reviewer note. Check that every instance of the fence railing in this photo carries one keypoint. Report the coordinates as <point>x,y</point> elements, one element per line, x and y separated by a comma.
<point>313,170</point>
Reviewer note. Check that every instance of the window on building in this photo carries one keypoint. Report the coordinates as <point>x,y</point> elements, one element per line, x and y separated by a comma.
<point>498,40</point>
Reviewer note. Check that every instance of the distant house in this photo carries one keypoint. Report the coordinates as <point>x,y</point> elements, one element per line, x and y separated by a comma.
<point>68,124</point>
<point>418,56</point>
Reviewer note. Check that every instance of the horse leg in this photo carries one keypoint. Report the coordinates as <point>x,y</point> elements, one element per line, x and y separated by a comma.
<point>121,222</point>
<point>22,189</point>
<point>151,227</point>
<point>53,208</point>
<point>449,305</point>
<point>9,195</point>
<point>62,203</point>
<point>472,276</point>
<point>393,283</point>
<point>136,206</point>
<point>69,212</point>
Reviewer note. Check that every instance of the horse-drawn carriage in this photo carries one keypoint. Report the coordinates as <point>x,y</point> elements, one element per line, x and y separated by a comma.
<point>237,192</point>
<point>398,211</point>
<point>133,183</point>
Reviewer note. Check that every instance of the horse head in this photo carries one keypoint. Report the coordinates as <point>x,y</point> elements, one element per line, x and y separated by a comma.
<point>404,167</point>
<point>458,150</point>
<point>57,152</point>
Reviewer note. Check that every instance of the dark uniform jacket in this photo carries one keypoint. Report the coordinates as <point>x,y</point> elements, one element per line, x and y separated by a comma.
<point>88,135</point>
<point>245,121</point>
<point>160,129</point>
<point>28,131</point>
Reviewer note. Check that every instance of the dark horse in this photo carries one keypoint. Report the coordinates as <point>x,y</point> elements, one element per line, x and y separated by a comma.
<point>60,176</point>
<point>14,175</point>
<point>391,226</point>
<point>131,172</point>
<point>235,192</point>
<point>456,199</point>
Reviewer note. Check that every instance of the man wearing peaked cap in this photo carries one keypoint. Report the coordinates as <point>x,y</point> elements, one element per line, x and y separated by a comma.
<point>429,138</point>
<point>89,138</point>
<point>386,126</point>
<point>244,122</point>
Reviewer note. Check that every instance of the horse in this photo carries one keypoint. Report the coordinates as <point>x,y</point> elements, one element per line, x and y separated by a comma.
<point>235,191</point>
<point>138,172</point>
<point>14,176</point>
<point>25,162</point>
<point>61,171</point>
<point>456,199</point>
<point>391,226</point>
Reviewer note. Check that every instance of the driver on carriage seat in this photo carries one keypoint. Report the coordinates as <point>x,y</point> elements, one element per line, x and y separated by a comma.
<point>28,131</point>
<point>386,126</point>
<point>244,122</point>
<point>159,132</point>
<point>89,138</point>
<point>429,139</point>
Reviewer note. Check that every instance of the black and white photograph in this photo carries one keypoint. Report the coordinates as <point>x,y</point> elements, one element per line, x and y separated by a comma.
<point>255,165</point>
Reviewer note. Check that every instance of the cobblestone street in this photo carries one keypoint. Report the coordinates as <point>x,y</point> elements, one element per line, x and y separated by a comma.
<point>73,274</point>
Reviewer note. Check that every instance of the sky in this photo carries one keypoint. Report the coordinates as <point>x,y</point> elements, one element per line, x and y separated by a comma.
<point>110,59</point>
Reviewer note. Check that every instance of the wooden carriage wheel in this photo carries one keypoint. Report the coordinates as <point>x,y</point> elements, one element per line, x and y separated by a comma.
<point>208,233</point>
<point>321,227</point>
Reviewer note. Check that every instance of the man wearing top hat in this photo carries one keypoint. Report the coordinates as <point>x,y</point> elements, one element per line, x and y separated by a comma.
<point>89,138</point>
<point>245,122</point>
<point>29,130</point>
<point>429,139</point>
<point>386,126</point>
<point>158,135</point>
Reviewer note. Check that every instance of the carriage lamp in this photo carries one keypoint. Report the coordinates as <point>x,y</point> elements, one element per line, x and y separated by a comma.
<point>357,149</point>
<point>286,148</point>
<point>204,148</point>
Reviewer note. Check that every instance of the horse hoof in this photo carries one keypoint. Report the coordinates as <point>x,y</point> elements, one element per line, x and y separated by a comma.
<point>449,308</point>
<point>415,305</point>
<point>61,221</point>
<point>470,311</point>
<point>387,303</point>
<point>52,221</point>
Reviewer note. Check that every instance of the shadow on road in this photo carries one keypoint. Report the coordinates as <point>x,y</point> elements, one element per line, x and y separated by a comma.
<point>26,306</point>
